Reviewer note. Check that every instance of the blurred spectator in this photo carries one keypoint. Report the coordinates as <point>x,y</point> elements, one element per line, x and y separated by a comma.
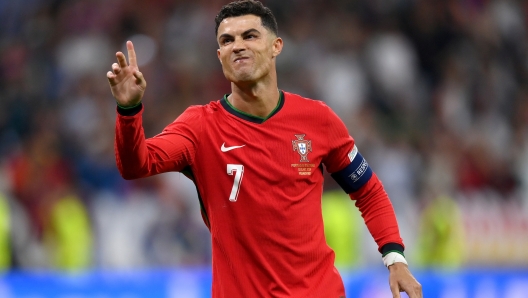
<point>68,235</point>
<point>441,238</point>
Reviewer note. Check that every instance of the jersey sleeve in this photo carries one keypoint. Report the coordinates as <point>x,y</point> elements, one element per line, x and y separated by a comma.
<point>339,140</point>
<point>353,173</point>
<point>171,150</point>
<point>378,214</point>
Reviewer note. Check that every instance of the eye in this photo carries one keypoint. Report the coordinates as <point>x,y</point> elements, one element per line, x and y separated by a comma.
<point>225,41</point>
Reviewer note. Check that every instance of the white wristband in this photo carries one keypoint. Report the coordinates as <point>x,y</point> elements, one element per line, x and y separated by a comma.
<point>393,257</point>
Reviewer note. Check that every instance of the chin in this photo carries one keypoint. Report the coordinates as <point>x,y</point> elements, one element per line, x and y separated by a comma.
<point>242,77</point>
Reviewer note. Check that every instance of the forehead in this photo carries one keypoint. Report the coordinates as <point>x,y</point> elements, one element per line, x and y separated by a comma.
<point>237,25</point>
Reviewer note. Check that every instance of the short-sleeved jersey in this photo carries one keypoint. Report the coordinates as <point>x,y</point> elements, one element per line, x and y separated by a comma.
<point>260,183</point>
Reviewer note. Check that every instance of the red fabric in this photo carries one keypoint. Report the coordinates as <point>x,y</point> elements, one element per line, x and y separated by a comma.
<point>269,242</point>
<point>137,157</point>
<point>376,209</point>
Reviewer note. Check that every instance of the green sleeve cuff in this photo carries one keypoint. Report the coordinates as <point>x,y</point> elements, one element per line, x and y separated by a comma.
<point>129,111</point>
<point>392,247</point>
<point>128,108</point>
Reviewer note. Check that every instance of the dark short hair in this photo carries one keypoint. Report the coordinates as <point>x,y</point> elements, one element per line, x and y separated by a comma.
<point>244,7</point>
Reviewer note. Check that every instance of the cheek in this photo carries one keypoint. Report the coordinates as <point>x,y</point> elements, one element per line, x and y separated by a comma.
<point>223,58</point>
<point>264,60</point>
<point>225,63</point>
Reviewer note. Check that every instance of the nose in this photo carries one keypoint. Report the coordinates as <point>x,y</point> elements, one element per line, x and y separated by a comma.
<point>238,45</point>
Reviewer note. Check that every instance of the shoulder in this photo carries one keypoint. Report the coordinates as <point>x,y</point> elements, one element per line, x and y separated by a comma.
<point>193,118</point>
<point>317,111</point>
<point>299,99</point>
<point>199,112</point>
<point>303,104</point>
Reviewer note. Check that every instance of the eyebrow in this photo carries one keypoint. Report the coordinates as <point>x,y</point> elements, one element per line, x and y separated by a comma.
<point>225,35</point>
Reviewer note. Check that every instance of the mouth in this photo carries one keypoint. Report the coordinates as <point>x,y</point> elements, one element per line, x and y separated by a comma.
<point>240,59</point>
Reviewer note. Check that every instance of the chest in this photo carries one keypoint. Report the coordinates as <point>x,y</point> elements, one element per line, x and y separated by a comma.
<point>275,151</point>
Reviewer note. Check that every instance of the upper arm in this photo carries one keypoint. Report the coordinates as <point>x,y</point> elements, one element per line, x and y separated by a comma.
<point>344,161</point>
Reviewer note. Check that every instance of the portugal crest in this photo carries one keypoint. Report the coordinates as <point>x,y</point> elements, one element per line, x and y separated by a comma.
<point>302,147</point>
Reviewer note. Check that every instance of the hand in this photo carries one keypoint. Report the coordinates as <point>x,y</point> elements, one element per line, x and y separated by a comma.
<point>126,82</point>
<point>401,280</point>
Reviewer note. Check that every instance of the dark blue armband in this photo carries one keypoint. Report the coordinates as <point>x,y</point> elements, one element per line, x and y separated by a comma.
<point>355,175</point>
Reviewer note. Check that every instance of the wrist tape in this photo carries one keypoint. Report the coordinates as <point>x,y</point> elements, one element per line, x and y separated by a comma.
<point>393,257</point>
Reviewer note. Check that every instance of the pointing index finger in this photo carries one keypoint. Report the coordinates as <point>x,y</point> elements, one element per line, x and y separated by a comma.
<point>131,54</point>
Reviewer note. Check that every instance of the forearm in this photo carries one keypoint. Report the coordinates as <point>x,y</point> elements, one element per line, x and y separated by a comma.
<point>137,157</point>
<point>130,146</point>
<point>378,213</point>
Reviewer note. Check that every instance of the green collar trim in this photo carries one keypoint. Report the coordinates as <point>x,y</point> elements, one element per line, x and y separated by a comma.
<point>252,118</point>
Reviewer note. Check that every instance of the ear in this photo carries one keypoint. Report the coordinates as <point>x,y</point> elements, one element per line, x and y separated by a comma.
<point>218,55</point>
<point>277,46</point>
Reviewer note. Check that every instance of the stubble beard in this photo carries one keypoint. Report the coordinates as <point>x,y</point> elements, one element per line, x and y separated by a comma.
<point>248,74</point>
<point>242,75</point>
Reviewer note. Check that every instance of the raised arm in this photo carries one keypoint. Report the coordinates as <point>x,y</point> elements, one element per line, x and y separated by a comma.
<point>137,157</point>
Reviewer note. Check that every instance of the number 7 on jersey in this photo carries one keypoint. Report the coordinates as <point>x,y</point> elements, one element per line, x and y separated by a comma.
<point>238,171</point>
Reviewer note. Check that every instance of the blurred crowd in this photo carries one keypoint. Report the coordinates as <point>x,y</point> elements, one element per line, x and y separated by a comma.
<point>435,93</point>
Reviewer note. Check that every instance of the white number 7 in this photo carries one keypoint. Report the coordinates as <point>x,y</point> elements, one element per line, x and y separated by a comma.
<point>239,169</point>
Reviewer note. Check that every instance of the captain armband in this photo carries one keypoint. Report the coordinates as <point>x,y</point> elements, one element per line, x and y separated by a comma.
<point>355,175</point>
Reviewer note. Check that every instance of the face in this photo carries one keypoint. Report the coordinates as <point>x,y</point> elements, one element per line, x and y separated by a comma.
<point>247,49</point>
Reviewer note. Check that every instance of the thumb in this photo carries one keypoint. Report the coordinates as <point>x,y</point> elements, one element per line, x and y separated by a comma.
<point>140,80</point>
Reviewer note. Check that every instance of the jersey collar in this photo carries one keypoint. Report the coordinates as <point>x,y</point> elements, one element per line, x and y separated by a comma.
<point>248,117</point>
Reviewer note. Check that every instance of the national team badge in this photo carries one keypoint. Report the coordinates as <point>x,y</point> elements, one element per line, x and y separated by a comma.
<point>302,147</point>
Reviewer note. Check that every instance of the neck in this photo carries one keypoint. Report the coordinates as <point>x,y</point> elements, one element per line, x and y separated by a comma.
<point>258,100</point>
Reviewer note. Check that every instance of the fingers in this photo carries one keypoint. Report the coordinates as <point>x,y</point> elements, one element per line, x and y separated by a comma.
<point>413,290</point>
<point>111,78</point>
<point>121,60</point>
<point>401,280</point>
<point>123,66</point>
<point>131,54</point>
<point>395,291</point>
<point>112,75</point>
<point>140,80</point>
<point>116,69</point>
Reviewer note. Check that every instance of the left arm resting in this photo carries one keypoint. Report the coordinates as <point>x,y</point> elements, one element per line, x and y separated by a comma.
<point>378,213</point>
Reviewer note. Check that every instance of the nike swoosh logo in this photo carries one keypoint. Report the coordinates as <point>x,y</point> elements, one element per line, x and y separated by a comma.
<point>225,149</point>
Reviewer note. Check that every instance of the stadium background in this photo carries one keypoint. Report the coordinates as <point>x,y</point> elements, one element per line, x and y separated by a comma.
<point>435,92</point>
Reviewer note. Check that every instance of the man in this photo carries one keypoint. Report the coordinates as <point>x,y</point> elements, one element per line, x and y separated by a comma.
<point>256,158</point>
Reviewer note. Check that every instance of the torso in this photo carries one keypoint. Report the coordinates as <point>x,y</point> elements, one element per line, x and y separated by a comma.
<point>261,185</point>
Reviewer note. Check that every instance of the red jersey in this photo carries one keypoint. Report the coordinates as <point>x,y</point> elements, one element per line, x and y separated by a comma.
<point>260,183</point>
